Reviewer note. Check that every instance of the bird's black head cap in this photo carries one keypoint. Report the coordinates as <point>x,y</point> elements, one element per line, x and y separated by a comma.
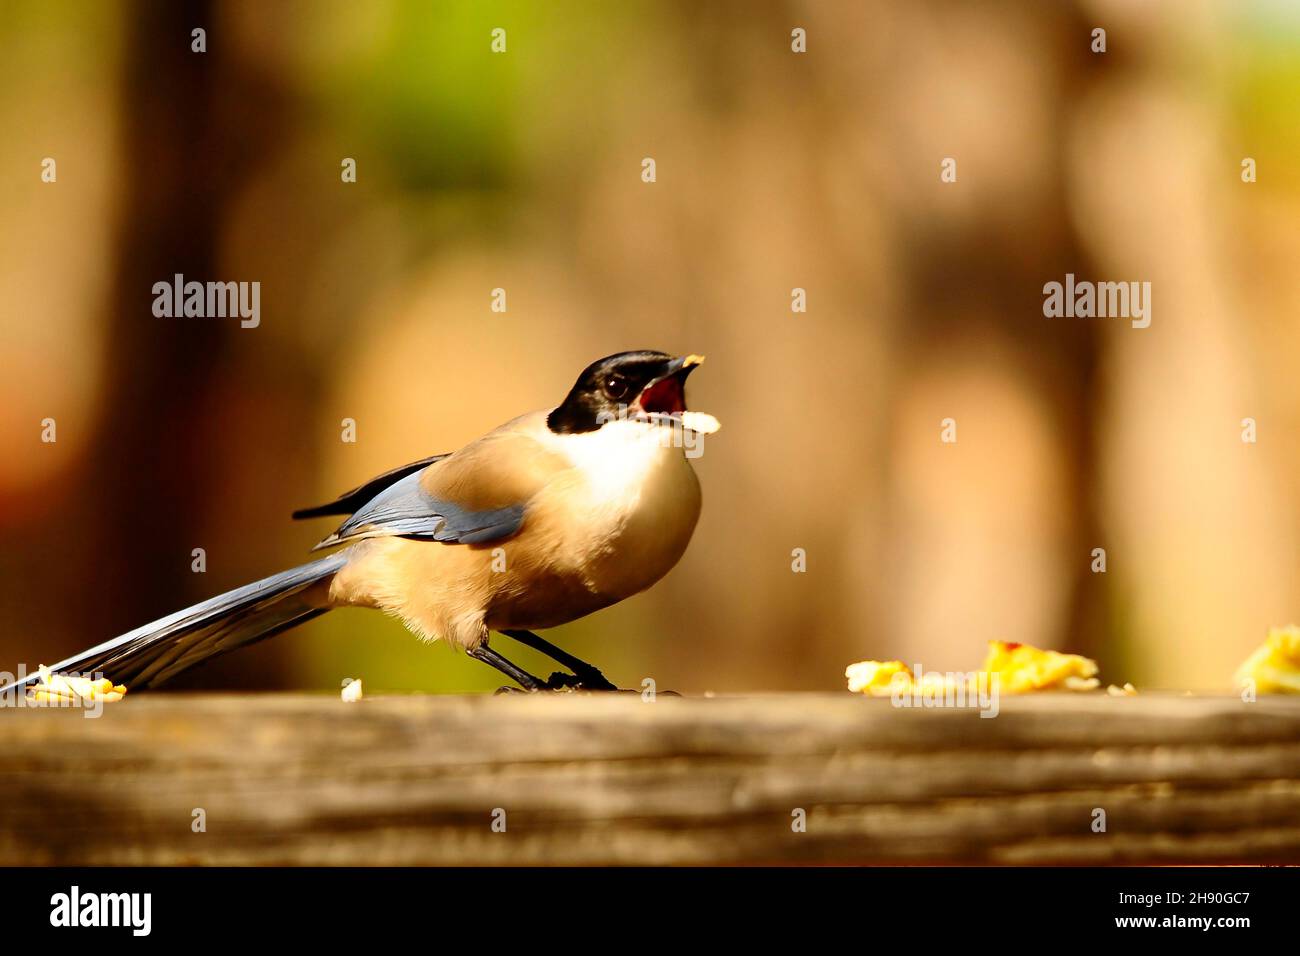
<point>629,383</point>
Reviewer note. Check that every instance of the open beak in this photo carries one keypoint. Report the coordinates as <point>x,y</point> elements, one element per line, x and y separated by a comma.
<point>664,399</point>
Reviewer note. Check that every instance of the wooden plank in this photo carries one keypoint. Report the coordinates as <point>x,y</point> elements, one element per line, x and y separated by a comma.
<point>303,779</point>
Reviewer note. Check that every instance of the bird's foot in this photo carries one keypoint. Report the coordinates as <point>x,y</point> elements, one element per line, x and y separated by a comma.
<point>560,681</point>
<point>589,680</point>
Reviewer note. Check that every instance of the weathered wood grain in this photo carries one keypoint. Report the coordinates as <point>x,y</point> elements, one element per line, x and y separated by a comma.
<point>302,779</point>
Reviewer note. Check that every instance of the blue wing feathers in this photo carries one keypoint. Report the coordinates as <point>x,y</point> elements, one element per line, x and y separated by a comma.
<point>404,509</point>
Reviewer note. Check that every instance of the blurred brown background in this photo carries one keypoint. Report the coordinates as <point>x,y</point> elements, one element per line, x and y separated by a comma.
<point>775,170</point>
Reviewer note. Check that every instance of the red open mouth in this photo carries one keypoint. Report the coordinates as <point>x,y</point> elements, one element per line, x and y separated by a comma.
<point>665,397</point>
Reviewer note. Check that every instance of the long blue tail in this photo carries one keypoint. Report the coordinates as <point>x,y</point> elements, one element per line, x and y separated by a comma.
<point>156,652</point>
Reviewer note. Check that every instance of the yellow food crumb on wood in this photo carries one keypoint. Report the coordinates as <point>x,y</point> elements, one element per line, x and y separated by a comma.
<point>62,689</point>
<point>1019,668</point>
<point>1022,668</point>
<point>1275,667</point>
<point>875,677</point>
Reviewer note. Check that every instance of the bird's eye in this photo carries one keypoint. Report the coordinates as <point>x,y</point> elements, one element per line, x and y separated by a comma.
<point>617,387</point>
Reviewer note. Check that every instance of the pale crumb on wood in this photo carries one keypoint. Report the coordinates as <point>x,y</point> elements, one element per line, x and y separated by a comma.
<point>64,689</point>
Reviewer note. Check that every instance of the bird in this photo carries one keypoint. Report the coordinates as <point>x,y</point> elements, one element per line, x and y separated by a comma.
<point>548,518</point>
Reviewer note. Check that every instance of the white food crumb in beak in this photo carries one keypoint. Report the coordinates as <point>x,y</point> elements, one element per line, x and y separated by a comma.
<point>701,422</point>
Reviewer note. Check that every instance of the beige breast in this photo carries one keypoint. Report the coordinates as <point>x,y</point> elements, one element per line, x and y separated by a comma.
<point>608,514</point>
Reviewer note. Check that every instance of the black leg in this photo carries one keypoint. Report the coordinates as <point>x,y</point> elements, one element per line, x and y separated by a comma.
<point>517,674</point>
<point>589,677</point>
